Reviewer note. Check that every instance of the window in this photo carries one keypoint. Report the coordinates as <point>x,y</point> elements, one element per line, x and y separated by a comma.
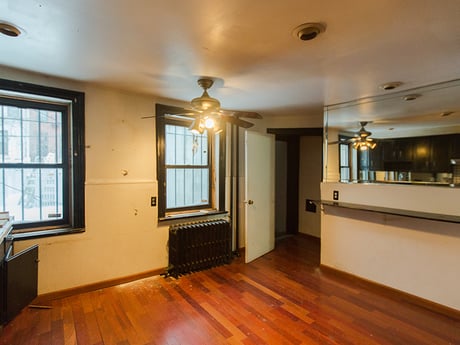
<point>344,163</point>
<point>187,167</point>
<point>41,157</point>
<point>190,166</point>
<point>348,160</point>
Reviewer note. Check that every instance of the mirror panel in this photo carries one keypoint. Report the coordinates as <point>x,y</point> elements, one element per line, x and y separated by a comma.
<point>415,132</point>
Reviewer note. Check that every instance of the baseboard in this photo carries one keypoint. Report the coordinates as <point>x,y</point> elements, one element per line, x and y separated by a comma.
<point>44,299</point>
<point>394,293</point>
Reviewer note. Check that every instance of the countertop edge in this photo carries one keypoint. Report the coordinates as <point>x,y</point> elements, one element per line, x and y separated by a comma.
<point>394,211</point>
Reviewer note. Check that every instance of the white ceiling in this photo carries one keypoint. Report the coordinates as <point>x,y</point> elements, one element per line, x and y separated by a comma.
<point>161,47</point>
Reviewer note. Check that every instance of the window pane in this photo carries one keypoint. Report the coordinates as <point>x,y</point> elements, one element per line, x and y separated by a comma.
<point>185,148</point>
<point>30,138</point>
<point>13,141</point>
<point>51,193</point>
<point>32,194</point>
<point>187,187</point>
<point>170,145</point>
<point>50,137</point>
<point>12,197</point>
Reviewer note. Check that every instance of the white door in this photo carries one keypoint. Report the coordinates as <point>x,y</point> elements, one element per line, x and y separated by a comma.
<point>259,194</point>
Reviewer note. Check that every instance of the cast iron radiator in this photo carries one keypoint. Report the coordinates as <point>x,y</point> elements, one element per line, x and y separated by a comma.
<point>199,245</point>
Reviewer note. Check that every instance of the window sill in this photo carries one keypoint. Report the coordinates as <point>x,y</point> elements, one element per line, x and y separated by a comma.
<point>28,235</point>
<point>194,214</point>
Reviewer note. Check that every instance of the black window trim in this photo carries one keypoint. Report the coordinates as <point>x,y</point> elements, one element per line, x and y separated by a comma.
<point>161,111</point>
<point>77,150</point>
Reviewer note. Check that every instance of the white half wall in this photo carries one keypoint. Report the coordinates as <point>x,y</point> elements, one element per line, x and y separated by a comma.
<point>417,256</point>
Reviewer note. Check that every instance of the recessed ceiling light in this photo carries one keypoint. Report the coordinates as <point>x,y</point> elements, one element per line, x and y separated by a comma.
<point>9,30</point>
<point>391,85</point>
<point>308,31</point>
<point>411,97</point>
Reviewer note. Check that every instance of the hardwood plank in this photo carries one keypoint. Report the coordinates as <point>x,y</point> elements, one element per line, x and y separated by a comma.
<point>282,298</point>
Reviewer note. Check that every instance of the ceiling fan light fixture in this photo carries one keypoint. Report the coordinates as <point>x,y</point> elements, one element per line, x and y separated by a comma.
<point>197,127</point>
<point>364,145</point>
<point>209,122</point>
<point>205,103</point>
<point>217,128</point>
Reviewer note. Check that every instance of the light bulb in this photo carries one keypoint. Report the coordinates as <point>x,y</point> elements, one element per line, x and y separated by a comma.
<point>209,122</point>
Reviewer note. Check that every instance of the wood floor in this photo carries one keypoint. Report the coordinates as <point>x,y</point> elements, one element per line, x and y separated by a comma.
<point>281,298</point>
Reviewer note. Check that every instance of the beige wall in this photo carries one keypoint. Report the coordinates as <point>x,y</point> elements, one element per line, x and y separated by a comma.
<point>122,235</point>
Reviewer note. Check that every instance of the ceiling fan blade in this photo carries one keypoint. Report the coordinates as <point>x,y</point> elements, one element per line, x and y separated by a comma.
<point>238,122</point>
<point>183,112</point>
<point>237,113</point>
<point>182,117</point>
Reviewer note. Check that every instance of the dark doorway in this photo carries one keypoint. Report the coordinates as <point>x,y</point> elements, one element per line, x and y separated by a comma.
<point>287,177</point>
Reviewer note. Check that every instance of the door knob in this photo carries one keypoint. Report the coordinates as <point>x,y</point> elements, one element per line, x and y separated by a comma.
<point>250,202</point>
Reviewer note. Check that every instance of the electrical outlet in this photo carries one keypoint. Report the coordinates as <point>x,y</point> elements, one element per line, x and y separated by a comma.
<point>335,195</point>
<point>153,201</point>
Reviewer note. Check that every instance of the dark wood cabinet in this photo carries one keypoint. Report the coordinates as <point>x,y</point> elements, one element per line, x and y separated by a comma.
<point>429,154</point>
<point>397,154</point>
<point>432,154</point>
<point>455,146</point>
<point>441,153</point>
<point>422,154</point>
<point>376,157</point>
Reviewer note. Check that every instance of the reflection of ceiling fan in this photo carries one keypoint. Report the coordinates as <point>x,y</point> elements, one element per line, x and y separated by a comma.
<point>361,139</point>
<point>207,113</point>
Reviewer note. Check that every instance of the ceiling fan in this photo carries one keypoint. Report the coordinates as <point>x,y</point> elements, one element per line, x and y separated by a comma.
<point>361,140</point>
<point>207,112</point>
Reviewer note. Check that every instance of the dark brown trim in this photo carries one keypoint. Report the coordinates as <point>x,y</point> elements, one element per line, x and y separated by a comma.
<point>292,185</point>
<point>392,292</point>
<point>314,131</point>
<point>77,134</point>
<point>43,299</point>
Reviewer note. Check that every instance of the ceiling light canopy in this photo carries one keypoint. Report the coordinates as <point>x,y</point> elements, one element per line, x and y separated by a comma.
<point>308,31</point>
<point>391,85</point>
<point>9,29</point>
<point>411,97</point>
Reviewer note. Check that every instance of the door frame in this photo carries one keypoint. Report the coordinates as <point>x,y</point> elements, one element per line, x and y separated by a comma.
<point>292,137</point>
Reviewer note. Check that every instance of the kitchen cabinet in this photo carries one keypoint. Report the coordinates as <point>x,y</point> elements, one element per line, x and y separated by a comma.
<point>429,154</point>
<point>432,154</point>
<point>441,151</point>
<point>422,154</point>
<point>455,146</point>
<point>398,154</point>
<point>376,157</point>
